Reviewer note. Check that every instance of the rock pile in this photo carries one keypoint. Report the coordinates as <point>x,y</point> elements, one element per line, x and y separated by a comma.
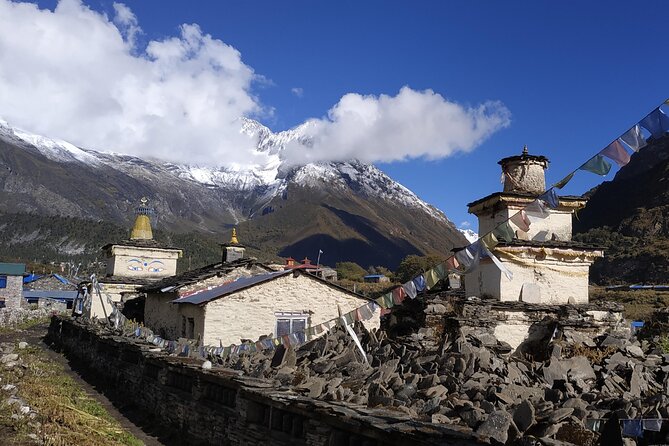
<point>581,394</point>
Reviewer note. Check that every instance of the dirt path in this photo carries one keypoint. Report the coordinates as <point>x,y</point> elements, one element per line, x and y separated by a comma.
<point>35,336</point>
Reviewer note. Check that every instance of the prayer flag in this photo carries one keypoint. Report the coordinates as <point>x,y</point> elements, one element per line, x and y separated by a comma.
<point>551,198</point>
<point>536,211</point>
<point>563,182</point>
<point>504,232</point>
<point>616,152</point>
<point>398,295</point>
<point>656,123</point>
<point>440,271</point>
<point>634,138</point>
<point>632,428</point>
<point>419,282</point>
<point>452,264</point>
<point>469,257</point>
<point>652,424</point>
<point>410,289</point>
<point>431,278</point>
<point>597,165</point>
<point>521,220</point>
<point>489,240</point>
<point>388,299</point>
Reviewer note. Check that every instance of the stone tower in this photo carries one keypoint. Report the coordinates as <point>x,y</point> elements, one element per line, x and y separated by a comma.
<point>547,266</point>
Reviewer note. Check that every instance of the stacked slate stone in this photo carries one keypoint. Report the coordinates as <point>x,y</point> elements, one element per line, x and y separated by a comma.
<point>474,382</point>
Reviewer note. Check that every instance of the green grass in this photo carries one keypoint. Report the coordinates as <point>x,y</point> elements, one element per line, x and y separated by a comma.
<point>65,413</point>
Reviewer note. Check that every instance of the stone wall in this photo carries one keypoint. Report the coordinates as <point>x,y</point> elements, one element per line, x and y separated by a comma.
<point>13,293</point>
<point>196,406</point>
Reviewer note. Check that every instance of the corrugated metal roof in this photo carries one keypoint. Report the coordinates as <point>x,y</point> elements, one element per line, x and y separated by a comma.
<point>12,269</point>
<point>229,288</point>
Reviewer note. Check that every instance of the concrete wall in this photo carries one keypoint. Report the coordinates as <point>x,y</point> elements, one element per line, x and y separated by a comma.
<point>12,294</point>
<point>561,276</point>
<point>131,261</point>
<point>188,405</point>
<point>250,313</point>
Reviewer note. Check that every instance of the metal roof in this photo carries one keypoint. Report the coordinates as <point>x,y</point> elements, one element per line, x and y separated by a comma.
<point>12,269</point>
<point>41,294</point>
<point>199,274</point>
<point>229,288</point>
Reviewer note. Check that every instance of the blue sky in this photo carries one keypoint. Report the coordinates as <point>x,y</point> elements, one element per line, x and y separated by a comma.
<point>574,75</point>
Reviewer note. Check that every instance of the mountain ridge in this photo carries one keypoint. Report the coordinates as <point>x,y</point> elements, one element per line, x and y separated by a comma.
<point>44,176</point>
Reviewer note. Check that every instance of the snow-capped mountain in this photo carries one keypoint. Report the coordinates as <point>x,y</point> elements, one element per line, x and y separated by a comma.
<point>53,177</point>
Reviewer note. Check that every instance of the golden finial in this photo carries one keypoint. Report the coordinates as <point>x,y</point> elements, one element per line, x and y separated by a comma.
<point>525,149</point>
<point>233,239</point>
<point>141,230</point>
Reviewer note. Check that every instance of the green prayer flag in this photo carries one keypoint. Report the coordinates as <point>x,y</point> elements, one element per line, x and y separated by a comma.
<point>504,232</point>
<point>563,182</point>
<point>440,270</point>
<point>431,279</point>
<point>388,299</point>
<point>597,165</point>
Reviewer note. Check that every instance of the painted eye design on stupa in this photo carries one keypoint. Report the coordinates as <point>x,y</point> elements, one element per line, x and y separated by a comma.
<point>155,266</point>
<point>135,265</point>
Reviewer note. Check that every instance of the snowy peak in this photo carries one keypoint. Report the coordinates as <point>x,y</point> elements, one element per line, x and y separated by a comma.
<point>54,149</point>
<point>266,180</point>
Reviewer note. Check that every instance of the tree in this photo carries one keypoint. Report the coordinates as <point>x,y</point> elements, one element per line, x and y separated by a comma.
<point>350,271</point>
<point>413,265</point>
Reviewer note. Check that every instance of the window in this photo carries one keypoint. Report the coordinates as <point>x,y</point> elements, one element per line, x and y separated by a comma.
<point>191,328</point>
<point>3,281</point>
<point>287,323</point>
<point>183,326</point>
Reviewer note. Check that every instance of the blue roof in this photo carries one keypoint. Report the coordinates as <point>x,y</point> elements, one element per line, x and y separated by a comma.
<point>229,288</point>
<point>374,276</point>
<point>32,294</point>
<point>33,277</point>
<point>12,269</point>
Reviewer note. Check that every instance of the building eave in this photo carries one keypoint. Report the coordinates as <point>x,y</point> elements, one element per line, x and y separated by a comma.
<point>511,200</point>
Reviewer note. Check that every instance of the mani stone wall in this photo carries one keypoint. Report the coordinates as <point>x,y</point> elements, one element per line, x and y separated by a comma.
<point>197,406</point>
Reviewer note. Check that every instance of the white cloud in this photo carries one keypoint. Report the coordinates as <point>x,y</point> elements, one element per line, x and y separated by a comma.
<point>391,128</point>
<point>297,91</point>
<point>75,74</point>
<point>465,224</point>
<point>127,22</point>
<point>70,74</point>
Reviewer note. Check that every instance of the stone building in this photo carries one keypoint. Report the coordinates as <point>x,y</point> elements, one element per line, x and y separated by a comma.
<point>547,266</point>
<point>131,264</point>
<point>242,298</point>
<point>11,285</point>
<point>159,313</point>
<point>272,304</point>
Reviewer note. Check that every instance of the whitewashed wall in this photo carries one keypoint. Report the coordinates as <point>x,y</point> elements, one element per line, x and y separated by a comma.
<point>162,316</point>
<point>118,263</point>
<point>250,313</point>
<point>560,274</point>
